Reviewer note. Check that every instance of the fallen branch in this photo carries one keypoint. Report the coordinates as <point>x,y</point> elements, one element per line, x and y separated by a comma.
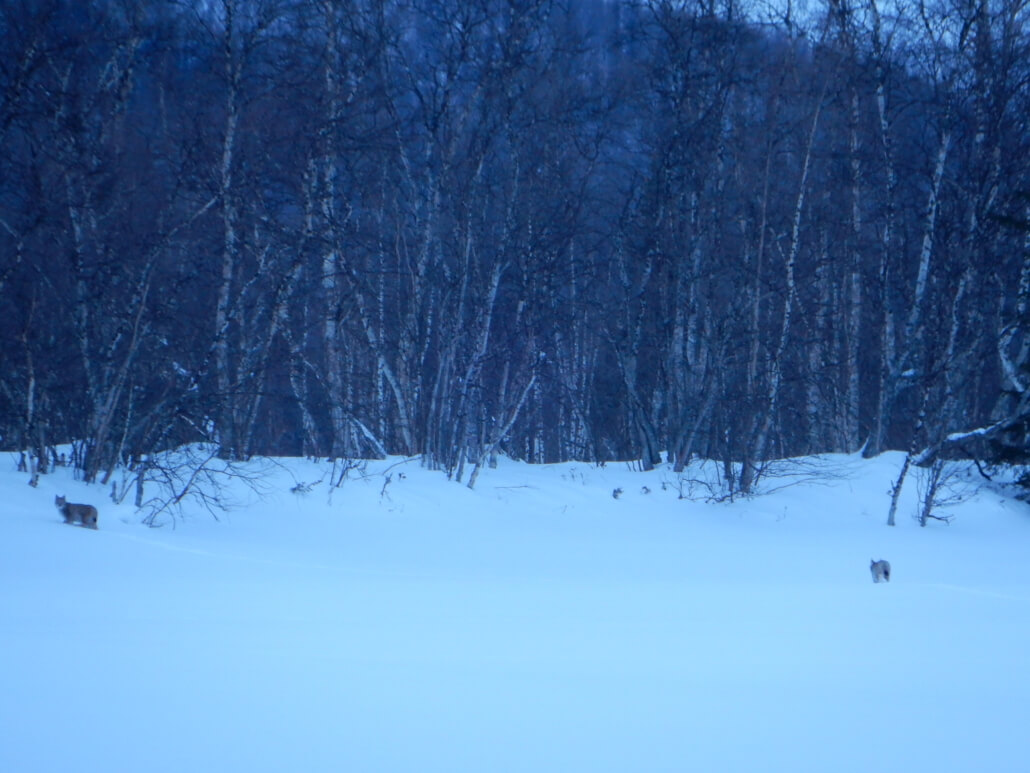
<point>928,454</point>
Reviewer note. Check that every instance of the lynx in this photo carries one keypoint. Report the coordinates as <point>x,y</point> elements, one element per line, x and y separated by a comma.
<point>881,570</point>
<point>84,514</point>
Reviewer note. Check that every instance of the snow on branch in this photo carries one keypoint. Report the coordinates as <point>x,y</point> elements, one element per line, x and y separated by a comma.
<point>928,454</point>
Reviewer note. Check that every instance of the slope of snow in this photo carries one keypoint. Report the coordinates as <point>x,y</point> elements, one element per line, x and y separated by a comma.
<point>536,623</point>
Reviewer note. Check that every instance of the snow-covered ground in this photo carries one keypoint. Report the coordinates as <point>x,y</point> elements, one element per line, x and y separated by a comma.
<point>536,623</point>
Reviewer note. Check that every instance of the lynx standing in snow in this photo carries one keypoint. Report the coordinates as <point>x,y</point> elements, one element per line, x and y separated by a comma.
<point>84,514</point>
<point>881,570</point>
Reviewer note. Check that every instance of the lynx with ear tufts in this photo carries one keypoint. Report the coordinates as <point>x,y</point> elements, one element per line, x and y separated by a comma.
<point>881,570</point>
<point>84,514</point>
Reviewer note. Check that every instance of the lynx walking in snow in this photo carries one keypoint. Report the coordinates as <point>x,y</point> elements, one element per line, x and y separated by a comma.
<point>84,514</point>
<point>881,570</point>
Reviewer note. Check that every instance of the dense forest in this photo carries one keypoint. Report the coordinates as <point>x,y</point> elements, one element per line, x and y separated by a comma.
<point>557,229</point>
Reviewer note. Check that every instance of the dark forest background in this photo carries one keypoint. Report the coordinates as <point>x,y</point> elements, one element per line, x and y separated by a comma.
<point>558,229</point>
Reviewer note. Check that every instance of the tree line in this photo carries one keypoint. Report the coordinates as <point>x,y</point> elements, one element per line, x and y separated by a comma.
<point>558,229</point>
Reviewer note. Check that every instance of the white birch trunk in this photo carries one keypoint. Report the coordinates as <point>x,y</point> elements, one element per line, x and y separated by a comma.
<point>853,396</point>
<point>913,327</point>
<point>748,472</point>
<point>334,356</point>
<point>887,352</point>
<point>223,376</point>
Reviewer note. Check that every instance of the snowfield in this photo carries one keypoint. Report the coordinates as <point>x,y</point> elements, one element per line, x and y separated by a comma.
<point>536,623</point>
